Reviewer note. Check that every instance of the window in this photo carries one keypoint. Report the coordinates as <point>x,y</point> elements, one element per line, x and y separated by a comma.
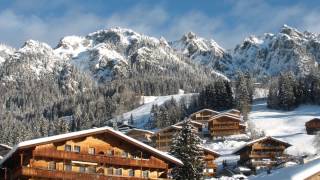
<point>67,147</point>
<point>131,172</point>
<point>110,171</point>
<point>67,167</point>
<point>91,151</point>
<point>76,149</point>
<point>82,169</point>
<point>145,174</point>
<point>91,169</point>
<point>124,154</point>
<point>118,172</point>
<point>110,152</point>
<point>52,165</point>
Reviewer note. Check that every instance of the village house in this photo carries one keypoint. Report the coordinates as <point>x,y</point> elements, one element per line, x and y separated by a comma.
<point>210,167</point>
<point>100,153</point>
<point>203,117</point>
<point>141,135</point>
<point>163,138</point>
<point>225,124</point>
<point>313,126</point>
<point>265,152</point>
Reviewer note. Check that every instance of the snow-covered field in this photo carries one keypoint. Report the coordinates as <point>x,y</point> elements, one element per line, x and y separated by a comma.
<point>286,125</point>
<point>142,113</point>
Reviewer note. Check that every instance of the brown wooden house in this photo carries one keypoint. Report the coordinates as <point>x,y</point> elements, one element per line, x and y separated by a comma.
<point>313,126</point>
<point>203,115</point>
<point>100,153</point>
<point>141,135</point>
<point>224,125</point>
<point>210,167</point>
<point>266,151</point>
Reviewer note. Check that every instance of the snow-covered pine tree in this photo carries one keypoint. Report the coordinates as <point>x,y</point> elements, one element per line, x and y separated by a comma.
<point>243,94</point>
<point>287,86</point>
<point>186,147</point>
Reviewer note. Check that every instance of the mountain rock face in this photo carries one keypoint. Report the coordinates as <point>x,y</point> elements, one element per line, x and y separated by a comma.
<point>271,54</point>
<point>203,51</point>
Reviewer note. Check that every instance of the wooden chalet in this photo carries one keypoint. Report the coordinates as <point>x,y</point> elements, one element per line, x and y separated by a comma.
<point>266,151</point>
<point>100,153</point>
<point>233,112</point>
<point>4,149</point>
<point>203,115</point>
<point>224,125</point>
<point>210,167</point>
<point>141,135</point>
<point>163,138</point>
<point>313,126</point>
<point>196,125</point>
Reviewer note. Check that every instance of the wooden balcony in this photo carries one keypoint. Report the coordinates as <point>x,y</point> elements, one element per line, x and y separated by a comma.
<point>110,160</point>
<point>264,155</point>
<point>262,147</point>
<point>225,127</point>
<point>45,173</point>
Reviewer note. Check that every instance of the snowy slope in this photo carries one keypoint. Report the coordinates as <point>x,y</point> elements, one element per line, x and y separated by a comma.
<point>142,113</point>
<point>286,125</point>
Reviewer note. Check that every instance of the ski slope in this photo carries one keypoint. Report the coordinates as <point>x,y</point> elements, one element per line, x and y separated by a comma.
<point>142,113</point>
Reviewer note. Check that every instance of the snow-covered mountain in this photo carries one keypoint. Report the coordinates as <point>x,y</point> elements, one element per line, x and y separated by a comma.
<point>203,51</point>
<point>271,54</point>
<point>113,53</point>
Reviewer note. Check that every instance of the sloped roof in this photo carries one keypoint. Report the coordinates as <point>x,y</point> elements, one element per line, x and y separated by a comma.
<point>210,151</point>
<point>260,139</point>
<point>213,111</point>
<point>67,136</point>
<point>314,119</point>
<point>225,115</point>
<point>297,172</point>
<point>169,127</point>
<point>191,121</point>
<point>5,146</point>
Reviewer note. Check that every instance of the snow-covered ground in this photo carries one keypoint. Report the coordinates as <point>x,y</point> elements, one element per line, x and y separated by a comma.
<point>286,125</point>
<point>142,113</point>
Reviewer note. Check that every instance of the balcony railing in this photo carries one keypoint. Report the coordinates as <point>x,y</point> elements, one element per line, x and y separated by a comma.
<point>259,146</point>
<point>111,160</point>
<point>54,174</point>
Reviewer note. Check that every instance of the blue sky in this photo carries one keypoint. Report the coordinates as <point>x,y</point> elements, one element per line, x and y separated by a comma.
<point>226,21</point>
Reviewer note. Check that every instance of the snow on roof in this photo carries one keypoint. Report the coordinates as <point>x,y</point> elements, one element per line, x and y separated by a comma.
<point>192,122</point>
<point>210,151</point>
<point>260,139</point>
<point>225,115</point>
<point>30,143</point>
<point>5,146</point>
<point>297,172</point>
<point>205,110</point>
<point>141,130</point>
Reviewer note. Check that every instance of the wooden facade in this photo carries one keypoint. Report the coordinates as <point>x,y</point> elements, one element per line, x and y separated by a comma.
<point>100,153</point>
<point>225,125</point>
<point>203,115</point>
<point>163,138</point>
<point>313,126</point>
<point>141,135</point>
<point>266,152</point>
<point>210,167</point>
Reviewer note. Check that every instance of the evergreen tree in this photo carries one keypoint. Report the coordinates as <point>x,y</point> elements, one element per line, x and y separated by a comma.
<point>287,89</point>
<point>131,120</point>
<point>243,94</point>
<point>186,147</point>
